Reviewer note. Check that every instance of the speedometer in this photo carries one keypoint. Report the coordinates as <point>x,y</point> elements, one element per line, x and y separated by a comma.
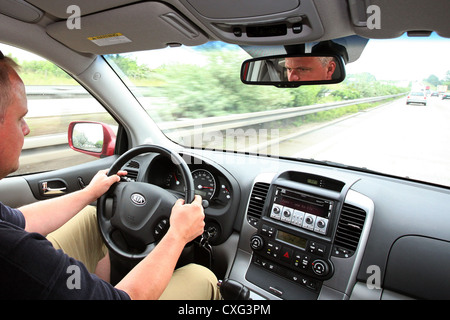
<point>204,183</point>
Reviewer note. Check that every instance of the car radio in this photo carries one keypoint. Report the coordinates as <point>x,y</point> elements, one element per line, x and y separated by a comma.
<point>293,239</point>
<point>302,210</point>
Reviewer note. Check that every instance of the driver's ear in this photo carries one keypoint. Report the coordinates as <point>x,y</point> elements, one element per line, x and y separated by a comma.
<point>330,69</point>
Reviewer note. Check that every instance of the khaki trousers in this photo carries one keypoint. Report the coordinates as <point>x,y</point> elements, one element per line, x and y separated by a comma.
<point>80,238</point>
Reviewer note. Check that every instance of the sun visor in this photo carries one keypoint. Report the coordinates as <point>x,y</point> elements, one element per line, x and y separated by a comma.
<point>142,26</point>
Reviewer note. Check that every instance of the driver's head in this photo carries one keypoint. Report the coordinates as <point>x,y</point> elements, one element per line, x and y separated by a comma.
<point>310,68</point>
<point>13,108</point>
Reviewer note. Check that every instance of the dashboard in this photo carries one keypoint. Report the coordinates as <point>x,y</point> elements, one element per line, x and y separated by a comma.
<point>361,236</point>
<point>295,230</point>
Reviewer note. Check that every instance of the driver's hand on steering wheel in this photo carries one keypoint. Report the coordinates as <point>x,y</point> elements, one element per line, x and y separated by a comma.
<point>187,220</point>
<point>101,182</point>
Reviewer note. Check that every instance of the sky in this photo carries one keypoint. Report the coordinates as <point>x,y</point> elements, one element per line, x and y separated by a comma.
<point>402,59</point>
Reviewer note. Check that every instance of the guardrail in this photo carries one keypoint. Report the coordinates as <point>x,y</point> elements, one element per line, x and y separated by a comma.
<point>52,92</point>
<point>214,124</point>
<point>204,125</point>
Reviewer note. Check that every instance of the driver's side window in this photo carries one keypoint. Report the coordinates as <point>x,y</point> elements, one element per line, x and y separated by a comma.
<point>54,101</point>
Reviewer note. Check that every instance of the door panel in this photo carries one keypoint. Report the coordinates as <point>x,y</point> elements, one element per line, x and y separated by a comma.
<point>74,178</point>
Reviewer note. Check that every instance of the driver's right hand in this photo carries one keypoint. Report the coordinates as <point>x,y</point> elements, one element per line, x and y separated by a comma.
<point>187,220</point>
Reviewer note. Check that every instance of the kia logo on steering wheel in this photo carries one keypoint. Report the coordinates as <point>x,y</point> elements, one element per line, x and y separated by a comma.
<point>138,199</point>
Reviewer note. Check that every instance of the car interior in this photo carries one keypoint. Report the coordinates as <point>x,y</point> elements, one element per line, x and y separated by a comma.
<point>277,228</point>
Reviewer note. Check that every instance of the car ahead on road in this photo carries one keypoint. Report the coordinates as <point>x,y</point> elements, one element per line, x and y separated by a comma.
<point>287,117</point>
<point>446,96</point>
<point>417,97</point>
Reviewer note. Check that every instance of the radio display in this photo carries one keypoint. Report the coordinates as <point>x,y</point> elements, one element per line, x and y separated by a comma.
<point>320,209</point>
<point>291,239</point>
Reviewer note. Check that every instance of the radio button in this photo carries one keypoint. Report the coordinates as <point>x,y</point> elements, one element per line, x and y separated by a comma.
<point>276,211</point>
<point>297,218</point>
<point>309,221</point>
<point>321,225</point>
<point>286,216</point>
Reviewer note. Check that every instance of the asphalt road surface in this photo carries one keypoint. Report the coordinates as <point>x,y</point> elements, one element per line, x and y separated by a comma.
<point>403,140</point>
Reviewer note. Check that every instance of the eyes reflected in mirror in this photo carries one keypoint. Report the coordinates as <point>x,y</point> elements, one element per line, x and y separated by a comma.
<point>293,70</point>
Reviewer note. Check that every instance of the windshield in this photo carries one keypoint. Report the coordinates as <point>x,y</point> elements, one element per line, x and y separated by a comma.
<point>368,121</point>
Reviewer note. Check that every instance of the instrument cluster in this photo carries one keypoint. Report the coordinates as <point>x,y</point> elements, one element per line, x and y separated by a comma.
<point>209,183</point>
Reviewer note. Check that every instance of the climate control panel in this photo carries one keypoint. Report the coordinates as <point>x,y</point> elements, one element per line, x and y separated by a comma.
<point>277,249</point>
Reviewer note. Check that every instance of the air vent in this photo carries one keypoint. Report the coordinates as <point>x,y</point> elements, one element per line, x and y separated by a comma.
<point>132,168</point>
<point>256,204</point>
<point>351,222</point>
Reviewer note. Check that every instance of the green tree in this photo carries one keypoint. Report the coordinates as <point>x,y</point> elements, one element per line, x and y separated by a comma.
<point>131,67</point>
<point>433,80</point>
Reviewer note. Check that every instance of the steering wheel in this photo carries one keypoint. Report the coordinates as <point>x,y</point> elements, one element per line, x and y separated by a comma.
<point>136,214</point>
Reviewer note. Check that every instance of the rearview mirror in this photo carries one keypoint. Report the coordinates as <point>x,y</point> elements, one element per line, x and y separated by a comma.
<point>293,70</point>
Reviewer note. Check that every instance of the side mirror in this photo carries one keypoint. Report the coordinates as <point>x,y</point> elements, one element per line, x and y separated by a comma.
<point>293,70</point>
<point>93,138</point>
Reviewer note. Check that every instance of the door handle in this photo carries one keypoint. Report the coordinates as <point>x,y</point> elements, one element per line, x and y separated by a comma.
<point>53,187</point>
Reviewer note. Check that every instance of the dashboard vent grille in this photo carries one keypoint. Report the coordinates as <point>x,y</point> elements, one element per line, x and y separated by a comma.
<point>132,168</point>
<point>133,164</point>
<point>256,203</point>
<point>349,228</point>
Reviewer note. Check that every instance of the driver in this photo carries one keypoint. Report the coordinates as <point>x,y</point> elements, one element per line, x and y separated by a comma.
<point>310,68</point>
<point>72,262</point>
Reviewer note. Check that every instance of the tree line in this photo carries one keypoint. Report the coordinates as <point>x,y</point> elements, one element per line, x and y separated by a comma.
<point>215,89</point>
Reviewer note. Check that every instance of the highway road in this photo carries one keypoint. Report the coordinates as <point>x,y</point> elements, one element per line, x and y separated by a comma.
<point>403,140</point>
<point>399,139</point>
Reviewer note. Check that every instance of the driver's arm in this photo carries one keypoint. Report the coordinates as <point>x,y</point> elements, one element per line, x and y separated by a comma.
<point>46,216</point>
<point>150,277</point>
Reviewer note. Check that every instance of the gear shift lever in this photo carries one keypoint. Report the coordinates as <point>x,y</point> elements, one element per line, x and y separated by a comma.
<point>233,290</point>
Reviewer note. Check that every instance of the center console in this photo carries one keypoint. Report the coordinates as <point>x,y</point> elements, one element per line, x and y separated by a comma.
<point>293,244</point>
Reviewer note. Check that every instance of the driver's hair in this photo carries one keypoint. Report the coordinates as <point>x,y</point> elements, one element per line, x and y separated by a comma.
<point>7,65</point>
<point>325,60</point>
